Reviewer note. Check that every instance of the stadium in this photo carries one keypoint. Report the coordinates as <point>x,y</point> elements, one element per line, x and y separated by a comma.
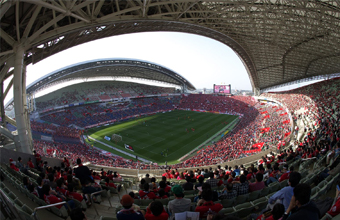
<point>82,148</point>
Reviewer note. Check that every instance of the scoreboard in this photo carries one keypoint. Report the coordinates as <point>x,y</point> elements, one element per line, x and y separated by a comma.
<point>222,89</point>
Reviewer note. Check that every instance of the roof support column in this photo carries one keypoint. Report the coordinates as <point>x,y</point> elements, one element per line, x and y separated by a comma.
<point>19,91</point>
<point>257,91</point>
<point>2,98</point>
<point>27,111</point>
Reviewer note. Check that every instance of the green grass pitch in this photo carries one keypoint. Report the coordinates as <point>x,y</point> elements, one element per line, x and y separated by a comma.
<point>168,132</point>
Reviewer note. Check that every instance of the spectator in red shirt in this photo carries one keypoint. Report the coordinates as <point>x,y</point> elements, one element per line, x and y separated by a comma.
<point>52,199</point>
<point>276,213</point>
<point>146,194</point>
<point>163,185</point>
<point>108,184</point>
<point>155,211</point>
<point>161,194</point>
<point>176,174</point>
<point>335,209</point>
<point>166,174</point>
<point>12,165</point>
<point>285,172</point>
<point>66,162</point>
<point>250,174</point>
<point>37,157</point>
<point>29,163</point>
<point>205,204</point>
<point>96,176</point>
<point>74,195</point>
<point>61,188</point>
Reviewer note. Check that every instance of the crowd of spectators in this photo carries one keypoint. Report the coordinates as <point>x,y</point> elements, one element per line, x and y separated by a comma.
<point>95,91</point>
<point>241,140</point>
<point>323,138</point>
<point>55,130</point>
<point>239,143</point>
<point>88,115</point>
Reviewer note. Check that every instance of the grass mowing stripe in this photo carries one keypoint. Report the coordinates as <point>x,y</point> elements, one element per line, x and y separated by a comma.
<point>151,135</point>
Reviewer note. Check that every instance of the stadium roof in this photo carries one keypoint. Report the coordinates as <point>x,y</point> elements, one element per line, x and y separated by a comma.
<point>110,68</point>
<point>279,41</point>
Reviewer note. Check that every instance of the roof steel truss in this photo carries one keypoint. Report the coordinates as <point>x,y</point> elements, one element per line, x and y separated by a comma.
<point>278,40</point>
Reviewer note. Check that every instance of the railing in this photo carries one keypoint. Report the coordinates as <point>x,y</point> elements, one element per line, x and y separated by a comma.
<point>9,209</point>
<point>34,214</point>
<point>91,198</point>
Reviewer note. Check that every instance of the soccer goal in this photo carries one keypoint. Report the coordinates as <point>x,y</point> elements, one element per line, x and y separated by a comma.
<point>117,138</point>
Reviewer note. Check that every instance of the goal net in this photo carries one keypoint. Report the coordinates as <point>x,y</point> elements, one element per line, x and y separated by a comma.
<point>117,138</point>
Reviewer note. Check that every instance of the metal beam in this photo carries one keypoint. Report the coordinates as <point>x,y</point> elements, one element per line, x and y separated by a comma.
<point>17,20</point>
<point>6,52</point>
<point>4,7</point>
<point>7,37</point>
<point>31,22</point>
<point>3,72</point>
<point>53,7</point>
<point>42,29</point>
<point>97,10</point>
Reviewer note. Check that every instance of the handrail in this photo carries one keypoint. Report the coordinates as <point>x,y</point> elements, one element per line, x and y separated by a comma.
<point>34,214</point>
<point>10,202</point>
<point>91,195</point>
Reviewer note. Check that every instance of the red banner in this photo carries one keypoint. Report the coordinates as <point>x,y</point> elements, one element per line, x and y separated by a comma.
<point>263,103</point>
<point>286,122</point>
<point>286,134</point>
<point>274,106</point>
<point>267,116</point>
<point>265,112</point>
<point>265,129</point>
<point>279,109</point>
<point>284,114</point>
<point>258,145</point>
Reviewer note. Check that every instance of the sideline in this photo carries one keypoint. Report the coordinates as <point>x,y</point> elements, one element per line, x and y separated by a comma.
<point>119,150</point>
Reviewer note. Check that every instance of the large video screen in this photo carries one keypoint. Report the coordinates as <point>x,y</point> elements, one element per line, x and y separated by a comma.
<point>224,89</point>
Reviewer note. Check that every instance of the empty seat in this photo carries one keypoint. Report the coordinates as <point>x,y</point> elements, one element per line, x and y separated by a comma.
<point>260,203</point>
<point>322,184</point>
<point>24,212</point>
<point>275,187</point>
<point>254,195</point>
<point>264,192</point>
<point>314,193</point>
<point>284,183</point>
<point>243,210</point>
<point>225,211</point>
<point>226,203</point>
<point>241,198</point>
<point>107,218</point>
<point>18,202</point>
<point>12,196</point>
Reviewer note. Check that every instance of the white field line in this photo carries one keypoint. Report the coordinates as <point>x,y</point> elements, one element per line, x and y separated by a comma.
<point>121,151</point>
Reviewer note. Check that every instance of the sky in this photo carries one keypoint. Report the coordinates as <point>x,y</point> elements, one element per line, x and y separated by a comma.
<point>201,60</point>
